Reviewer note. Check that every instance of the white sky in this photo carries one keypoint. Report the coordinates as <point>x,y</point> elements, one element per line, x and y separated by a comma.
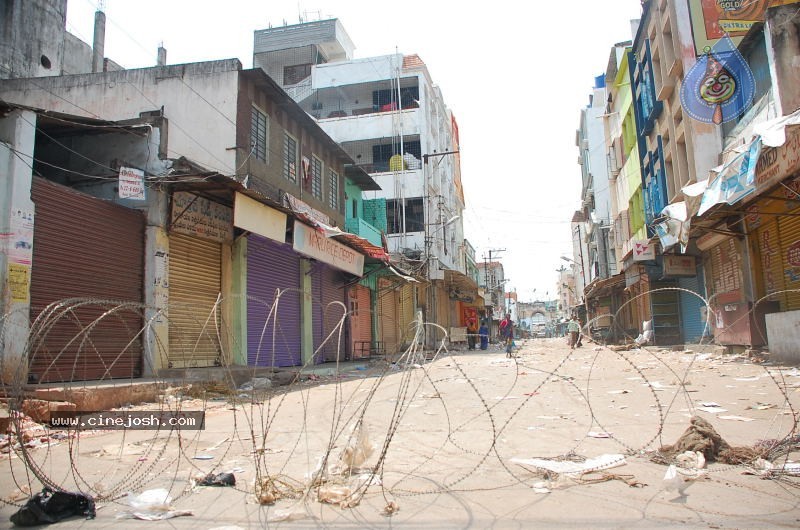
<point>514,73</point>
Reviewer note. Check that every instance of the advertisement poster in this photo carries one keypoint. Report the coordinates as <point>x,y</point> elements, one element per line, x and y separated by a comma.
<point>20,244</point>
<point>712,19</point>
<point>131,184</point>
<point>19,282</point>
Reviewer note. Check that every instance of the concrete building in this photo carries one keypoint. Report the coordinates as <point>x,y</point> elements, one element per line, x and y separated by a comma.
<point>749,243</point>
<point>390,117</point>
<point>34,41</point>
<point>244,192</point>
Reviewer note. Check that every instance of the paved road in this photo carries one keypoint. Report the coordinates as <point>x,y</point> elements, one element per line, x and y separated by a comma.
<point>448,437</point>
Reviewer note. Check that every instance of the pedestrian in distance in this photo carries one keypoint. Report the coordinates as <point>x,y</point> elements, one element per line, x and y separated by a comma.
<point>507,333</point>
<point>574,331</point>
<point>483,332</point>
<point>472,331</point>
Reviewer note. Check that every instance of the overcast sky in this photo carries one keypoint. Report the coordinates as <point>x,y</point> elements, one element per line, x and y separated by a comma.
<point>515,74</point>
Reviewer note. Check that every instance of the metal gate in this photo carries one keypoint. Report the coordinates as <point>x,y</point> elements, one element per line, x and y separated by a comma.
<point>360,321</point>
<point>273,335</point>
<point>89,248</point>
<point>693,324</point>
<point>195,282</point>
<point>387,315</point>
<point>327,290</point>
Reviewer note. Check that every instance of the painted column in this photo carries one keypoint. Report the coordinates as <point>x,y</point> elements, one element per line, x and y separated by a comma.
<point>307,314</point>
<point>156,299</point>
<point>238,303</point>
<point>17,132</point>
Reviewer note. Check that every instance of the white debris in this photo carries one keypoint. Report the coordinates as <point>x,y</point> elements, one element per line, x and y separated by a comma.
<point>606,461</point>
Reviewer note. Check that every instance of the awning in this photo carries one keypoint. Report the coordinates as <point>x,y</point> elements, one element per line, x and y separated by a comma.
<point>603,287</point>
<point>351,240</point>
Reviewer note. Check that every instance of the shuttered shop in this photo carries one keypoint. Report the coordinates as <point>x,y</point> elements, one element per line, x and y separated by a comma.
<point>407,324</point>
<point>195,282</point>
<point>387,314</point>
<point>89,248</point>
<point>360,321</point>
<point>777,245</point>
<point>692,322</point>
<point>273,335</point>
<point>329,307</point>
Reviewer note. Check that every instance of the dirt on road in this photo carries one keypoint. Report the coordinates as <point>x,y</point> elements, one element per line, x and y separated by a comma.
<point>551,438</point>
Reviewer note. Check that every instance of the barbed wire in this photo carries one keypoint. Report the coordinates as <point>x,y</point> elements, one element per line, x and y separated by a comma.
<point>414,421</point>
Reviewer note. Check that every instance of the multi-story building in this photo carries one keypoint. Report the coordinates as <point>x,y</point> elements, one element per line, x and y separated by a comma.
<point>621,293</point>
<point>734,178</point>
<point>749,242</point>
<point>674,151</point>
<point>239,195</point>
<point>493,280</point>
<point>391,118</point>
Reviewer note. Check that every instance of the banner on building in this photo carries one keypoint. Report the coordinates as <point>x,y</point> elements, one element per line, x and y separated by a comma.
<point>679,265</point>
<point>643,250</point>
<point>712,19</point>
<point>314,244</point>
<point>735,180</point>
<point>251,215</point>
<point>720,86</point>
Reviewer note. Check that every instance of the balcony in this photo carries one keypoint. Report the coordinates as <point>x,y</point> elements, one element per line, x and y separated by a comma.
<point>363,229</point>
<point>347,125</point>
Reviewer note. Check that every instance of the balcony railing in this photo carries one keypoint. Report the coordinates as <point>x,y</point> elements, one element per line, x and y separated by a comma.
<point>363,229</point>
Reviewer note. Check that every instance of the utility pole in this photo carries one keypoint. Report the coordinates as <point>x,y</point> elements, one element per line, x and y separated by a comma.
<point>486,279</point>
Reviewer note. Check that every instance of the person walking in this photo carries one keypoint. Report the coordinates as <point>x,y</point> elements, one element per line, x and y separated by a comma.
<point>472,331</point>
<point>574,331</point>
<point>483,332</point>
<point>507,333</point>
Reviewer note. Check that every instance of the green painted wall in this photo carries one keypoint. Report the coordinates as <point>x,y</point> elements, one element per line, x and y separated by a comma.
<point>238,302</point>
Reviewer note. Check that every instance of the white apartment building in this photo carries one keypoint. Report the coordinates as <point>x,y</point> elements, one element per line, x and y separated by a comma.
<point>391,118</point>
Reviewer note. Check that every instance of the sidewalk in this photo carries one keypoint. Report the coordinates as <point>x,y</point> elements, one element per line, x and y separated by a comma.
<point>455,444</point>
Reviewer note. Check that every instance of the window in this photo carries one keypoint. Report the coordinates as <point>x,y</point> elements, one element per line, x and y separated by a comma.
<point>333,189</point>
<point>289,158</point>
<point>296,73</point>
<point>655,185</point>
<point>414,216</point>
<point>386,99</point>
<point>316,177</point>
<point>259,133</point>
<point>647,107</point>
<point>383,152</point>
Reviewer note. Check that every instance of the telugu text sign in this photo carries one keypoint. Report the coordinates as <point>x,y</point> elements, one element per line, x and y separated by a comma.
<point>131,184</point>
<point>196,216</point>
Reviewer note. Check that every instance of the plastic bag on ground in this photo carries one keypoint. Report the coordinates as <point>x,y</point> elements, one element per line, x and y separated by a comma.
<point>50,506</point>
<point>357,451</point>
<point>152,505</point>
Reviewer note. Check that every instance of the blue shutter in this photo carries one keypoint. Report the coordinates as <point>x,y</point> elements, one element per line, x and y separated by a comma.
<point>691,317</point>
<point>272,340</point>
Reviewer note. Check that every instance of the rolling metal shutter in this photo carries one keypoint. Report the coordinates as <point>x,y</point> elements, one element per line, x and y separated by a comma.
<point>693,323</point>
<point>272,339</point>
<point>327,290</point>
<point>442,314</point>
<point>195,281</point>
<point>360,321</point>
<point>407,312</point>
<point>89,248</point>
<point>789,228</point>
<point>387,315</point>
